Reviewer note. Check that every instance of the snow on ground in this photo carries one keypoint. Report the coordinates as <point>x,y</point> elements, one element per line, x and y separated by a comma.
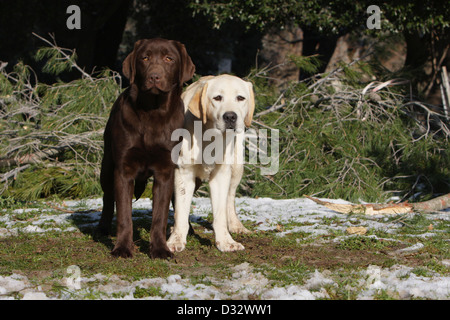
<point>303,215</point>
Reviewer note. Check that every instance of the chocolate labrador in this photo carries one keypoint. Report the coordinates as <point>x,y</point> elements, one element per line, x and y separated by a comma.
<point>137,140</point>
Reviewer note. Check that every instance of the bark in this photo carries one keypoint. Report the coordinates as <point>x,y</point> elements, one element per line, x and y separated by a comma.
<point>390,54</point>
<point>435,204</point>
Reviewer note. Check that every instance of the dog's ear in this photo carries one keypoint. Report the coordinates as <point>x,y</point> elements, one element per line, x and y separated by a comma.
<point>251,106</point>
<point>128,68</point>
<point>197,99</point>
<point>187,67</point>
<point>129,64</point>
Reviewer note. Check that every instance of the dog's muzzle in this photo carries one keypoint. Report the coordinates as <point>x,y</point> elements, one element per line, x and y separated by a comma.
<point>230,119</point>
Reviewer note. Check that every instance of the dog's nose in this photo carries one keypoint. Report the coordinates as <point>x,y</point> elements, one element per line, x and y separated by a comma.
<point>155,77</point>
<point>230,118</point>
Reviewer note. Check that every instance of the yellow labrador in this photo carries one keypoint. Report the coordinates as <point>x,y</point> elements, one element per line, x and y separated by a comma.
<point>215,106</point>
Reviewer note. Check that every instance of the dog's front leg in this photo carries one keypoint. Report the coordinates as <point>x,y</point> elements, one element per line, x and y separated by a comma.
<point>123,189</point>
<point>162,193</point>
<point>184,189</point>
<point>234,224</point>
<point>107,183</point>
<point>219,183</point>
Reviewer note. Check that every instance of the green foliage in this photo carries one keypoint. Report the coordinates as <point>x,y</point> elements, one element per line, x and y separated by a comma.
<point>51,135</point>
<point>55,60</point>
<point>324,15</point>
<point>328,17</point>
<point>338,142</point>
<point>71,181</point>
<point>309,64</point>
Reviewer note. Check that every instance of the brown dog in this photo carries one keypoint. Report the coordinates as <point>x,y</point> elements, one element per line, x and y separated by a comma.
<point>138,140</point>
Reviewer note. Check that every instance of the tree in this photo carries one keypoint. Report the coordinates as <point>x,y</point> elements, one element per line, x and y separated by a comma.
<point>424,24</point>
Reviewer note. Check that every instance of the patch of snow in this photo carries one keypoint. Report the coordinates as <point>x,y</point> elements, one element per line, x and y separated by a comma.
<point>244,282</point>
<point>318,280</point>
<point>12,283</point>
<point>288,293</point>
<point>412,248</point>
<point>408,285</point>
<point>34,296</point>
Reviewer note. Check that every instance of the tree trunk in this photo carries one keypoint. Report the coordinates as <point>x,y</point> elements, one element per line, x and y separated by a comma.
<point>277,46</point>
<point>390,53</point>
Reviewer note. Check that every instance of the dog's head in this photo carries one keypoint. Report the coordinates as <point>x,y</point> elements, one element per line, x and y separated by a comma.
<point>158,65</point>
<point>226,101</point>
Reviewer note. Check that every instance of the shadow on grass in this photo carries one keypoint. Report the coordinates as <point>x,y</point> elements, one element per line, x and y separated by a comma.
<point>87,222</point>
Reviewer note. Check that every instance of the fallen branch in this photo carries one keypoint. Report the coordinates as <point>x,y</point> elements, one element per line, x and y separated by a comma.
<point>67,141</point>
<point>13,173</point>
<point>29,158</point>
<point>436,204</point>
<point>433,205</point>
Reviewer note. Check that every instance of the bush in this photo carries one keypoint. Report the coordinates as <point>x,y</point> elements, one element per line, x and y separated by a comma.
<point>339,138</point>
<point>343,139</point>
<point>52,135</point>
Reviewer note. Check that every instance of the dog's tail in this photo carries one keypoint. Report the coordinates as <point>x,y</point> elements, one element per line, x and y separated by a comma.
<point>139,188</point>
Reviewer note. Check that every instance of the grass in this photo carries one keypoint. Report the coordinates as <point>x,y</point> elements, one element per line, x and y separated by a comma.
<point>363,243</point>
<point>147,292</point>
<point>284,260</point>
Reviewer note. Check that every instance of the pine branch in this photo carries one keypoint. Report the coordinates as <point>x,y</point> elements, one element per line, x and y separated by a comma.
<point>65,55</point>
<point>66,141</point>
<point>13,173</point>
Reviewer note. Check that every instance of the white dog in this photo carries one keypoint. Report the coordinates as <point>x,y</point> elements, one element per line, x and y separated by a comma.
<point>220,104</point>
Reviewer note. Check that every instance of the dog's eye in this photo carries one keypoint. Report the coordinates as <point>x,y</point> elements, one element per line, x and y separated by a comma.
<point>168,59</point>
<point>240,98</point>
<point>145,58</point>
<point>218,98</point>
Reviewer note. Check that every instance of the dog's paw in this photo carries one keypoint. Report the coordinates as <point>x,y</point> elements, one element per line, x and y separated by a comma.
<point>103,229</point>
<point>123,251</point>
<point>160,253</point>
<point>228,246</point>
<point>175,243</point>
<point>238,229</point>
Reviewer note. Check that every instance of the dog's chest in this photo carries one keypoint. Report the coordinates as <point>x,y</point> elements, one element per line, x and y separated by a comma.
<point>204,171</point>
<point>146,139</point>
<point>154,128</point>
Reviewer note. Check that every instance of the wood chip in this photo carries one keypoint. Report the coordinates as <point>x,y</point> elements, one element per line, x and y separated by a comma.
<point>356,230</point>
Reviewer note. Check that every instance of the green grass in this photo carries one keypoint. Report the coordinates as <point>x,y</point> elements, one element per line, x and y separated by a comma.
<point>284,260</point>
<point>147,292</point>
<point>363,243</point>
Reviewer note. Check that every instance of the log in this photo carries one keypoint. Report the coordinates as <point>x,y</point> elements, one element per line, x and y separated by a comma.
<point>436,204</point>
<point>433,205</point>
